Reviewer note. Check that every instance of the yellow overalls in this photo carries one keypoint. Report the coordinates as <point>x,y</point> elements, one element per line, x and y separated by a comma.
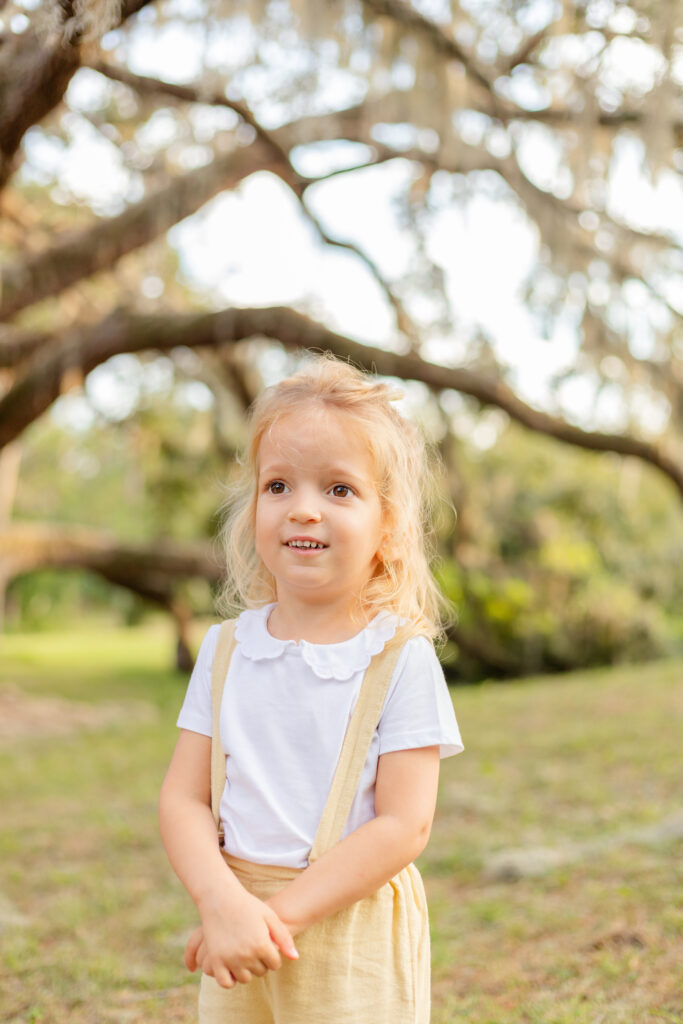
<point>367,964</point>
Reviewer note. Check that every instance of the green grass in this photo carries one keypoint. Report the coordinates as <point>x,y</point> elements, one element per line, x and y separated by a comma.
<point>586,757</point>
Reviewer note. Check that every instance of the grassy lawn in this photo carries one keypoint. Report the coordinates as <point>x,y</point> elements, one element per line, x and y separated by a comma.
<point>588,765</point>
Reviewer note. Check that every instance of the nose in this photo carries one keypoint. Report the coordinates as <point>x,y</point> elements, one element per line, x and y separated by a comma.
<point>305,508</point>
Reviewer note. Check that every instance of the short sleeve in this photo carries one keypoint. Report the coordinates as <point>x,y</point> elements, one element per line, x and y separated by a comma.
<point>196,713</point>
<point>418,711</point>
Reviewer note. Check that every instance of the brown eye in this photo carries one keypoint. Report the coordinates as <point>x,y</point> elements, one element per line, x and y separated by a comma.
<point>276,487</point>
<point>341,491</point>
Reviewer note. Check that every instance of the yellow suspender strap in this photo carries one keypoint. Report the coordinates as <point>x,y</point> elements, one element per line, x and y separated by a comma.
<point>221,660</point>
<point>354,752</point>
<point>355,747</point>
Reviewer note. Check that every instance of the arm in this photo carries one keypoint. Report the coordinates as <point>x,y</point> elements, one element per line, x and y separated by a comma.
<point>405,799</point>
<point>240,935</point>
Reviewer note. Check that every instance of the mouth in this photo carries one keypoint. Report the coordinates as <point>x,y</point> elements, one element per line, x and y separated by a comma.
<point>305,544</point>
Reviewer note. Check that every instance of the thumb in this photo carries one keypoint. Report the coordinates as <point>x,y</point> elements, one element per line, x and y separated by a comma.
<point>281,935</point>
<point>193,944</point>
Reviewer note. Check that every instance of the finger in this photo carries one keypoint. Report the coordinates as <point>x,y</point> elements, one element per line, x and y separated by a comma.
<point>224,978</point>
<point>202,958</point>
<point>281,936</point>
<point>259,968</point>
<point>271,958</point>
<point>242,975</point>
<point>191,948</point>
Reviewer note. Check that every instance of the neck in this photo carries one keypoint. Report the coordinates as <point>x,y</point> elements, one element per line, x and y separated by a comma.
<point>317,624</point>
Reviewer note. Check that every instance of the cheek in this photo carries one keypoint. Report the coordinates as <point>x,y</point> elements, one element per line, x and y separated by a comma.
<point>382,527</point>
<point>262,546</point>
<point>374,535</point>
<point>260,527</point>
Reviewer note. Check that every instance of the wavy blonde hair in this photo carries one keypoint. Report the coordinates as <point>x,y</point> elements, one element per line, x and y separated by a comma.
<point>402,582</point>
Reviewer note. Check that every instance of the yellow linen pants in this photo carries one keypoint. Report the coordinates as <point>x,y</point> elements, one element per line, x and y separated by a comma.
<point>367,964</point>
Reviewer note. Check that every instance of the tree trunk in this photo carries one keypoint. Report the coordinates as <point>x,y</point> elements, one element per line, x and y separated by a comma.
<point>10,460</point>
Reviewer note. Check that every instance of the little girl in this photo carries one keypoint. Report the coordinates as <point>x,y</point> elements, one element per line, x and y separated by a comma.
<point>313,724</point>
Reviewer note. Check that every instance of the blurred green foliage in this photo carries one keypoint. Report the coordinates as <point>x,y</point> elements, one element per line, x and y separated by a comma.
<point>562,559</point>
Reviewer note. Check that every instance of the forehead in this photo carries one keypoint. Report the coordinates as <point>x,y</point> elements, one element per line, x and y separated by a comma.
<point>316,435</point>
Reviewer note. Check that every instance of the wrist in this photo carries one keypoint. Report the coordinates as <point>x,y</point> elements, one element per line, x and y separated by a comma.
<point>218,895</point>
<point>285,912</point>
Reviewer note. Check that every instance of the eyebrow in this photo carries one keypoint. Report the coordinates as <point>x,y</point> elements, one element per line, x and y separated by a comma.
<point>336,472</point>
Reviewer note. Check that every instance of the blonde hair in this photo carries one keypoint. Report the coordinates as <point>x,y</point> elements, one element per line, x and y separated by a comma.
<point>402,583</point>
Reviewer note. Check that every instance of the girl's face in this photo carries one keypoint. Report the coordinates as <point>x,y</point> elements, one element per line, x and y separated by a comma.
<point>319,521</point>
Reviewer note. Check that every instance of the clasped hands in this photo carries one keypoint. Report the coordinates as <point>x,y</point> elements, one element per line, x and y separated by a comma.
<point>238,939</point>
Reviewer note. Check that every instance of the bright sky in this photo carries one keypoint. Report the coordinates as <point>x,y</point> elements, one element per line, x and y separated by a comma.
<point>253,246</point>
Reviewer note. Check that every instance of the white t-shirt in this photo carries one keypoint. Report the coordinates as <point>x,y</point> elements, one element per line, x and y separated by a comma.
<point>285,710</point>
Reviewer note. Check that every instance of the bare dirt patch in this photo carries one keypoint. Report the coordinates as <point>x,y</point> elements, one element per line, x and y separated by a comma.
<point>25,715</point>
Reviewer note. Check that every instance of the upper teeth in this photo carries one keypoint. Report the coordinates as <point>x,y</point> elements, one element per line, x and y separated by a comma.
<point>304,544</point>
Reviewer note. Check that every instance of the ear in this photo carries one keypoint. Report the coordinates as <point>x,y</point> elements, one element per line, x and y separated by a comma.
<point>385,551</point>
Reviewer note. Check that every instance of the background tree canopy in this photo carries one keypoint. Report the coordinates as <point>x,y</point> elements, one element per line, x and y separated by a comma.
<point>119,121</point>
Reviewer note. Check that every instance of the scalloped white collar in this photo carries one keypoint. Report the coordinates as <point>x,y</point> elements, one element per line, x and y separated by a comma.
<point>328,661</point>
